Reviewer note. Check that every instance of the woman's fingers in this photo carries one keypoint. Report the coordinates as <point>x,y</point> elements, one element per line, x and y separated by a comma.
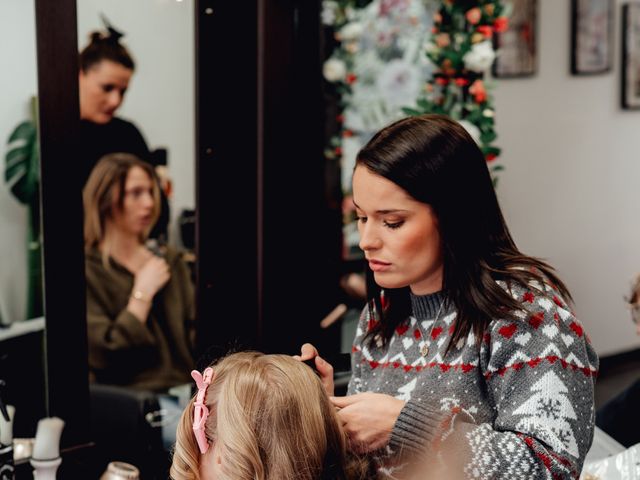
<point>307,352</point>
<point>324,368</point>
<point>368,419</point>
<point>342,402</point>
<point>326,374</point>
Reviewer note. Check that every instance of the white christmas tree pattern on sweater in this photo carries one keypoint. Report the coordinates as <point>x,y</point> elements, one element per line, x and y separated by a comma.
<point>547,412</point>
<point>404,392</point>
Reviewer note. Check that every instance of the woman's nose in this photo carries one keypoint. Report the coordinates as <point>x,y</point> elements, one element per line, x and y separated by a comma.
<point>369,239</point>
<point>115,98</point>
<point>147,200</point>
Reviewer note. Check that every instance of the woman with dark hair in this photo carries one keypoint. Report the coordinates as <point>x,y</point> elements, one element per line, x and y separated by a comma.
<point>468,349</point>
<point>106,68</point>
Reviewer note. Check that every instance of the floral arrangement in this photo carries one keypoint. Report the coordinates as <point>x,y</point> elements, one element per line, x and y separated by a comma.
<point>462,51</point>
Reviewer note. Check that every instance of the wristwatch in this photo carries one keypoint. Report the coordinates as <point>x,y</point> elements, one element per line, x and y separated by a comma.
<point>138,295</point>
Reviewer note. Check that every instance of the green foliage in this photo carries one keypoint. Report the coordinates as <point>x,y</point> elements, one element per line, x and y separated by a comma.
<point>461,28</point>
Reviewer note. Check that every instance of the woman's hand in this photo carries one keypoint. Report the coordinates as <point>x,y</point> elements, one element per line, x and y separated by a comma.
<point>368,419</point>
<point>307,352</point>
<point>152,276</point>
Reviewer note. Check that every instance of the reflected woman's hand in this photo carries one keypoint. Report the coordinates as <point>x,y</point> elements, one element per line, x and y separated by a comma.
<point>324,368</point>
<point>153,275</point>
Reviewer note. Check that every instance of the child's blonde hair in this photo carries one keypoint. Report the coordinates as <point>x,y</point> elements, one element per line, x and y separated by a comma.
<point>270,418</point>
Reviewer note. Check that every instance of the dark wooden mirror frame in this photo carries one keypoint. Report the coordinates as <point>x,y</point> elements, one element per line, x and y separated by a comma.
<point>66,369</point>
<point>268,231</point>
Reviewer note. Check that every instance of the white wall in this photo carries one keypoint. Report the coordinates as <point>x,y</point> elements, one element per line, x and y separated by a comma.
<point>17,85</point>
<point>160,100</point>
<point>571,190</point>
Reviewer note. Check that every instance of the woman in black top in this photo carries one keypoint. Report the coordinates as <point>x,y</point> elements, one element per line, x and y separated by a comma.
<point>106,68</point>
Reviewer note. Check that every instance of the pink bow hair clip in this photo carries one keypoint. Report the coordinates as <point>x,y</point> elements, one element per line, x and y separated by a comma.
<point>200,410</point>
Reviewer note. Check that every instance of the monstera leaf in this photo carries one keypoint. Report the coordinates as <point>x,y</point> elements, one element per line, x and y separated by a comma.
<point>22,175</point>
<point>22,162</point>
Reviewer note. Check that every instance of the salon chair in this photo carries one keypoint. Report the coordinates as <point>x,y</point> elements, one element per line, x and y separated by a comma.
<point>122,429</point>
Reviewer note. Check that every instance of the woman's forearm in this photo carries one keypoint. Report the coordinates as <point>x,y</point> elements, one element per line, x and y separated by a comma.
<point>139,305</point>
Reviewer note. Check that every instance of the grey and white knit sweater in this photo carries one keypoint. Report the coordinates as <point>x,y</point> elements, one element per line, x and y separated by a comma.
<point>525,390</point>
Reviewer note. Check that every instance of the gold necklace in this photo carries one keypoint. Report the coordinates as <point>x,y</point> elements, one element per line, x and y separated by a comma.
<point>424,349</point>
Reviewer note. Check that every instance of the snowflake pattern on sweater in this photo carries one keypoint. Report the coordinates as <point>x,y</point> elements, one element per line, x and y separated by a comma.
<point>523,392</point>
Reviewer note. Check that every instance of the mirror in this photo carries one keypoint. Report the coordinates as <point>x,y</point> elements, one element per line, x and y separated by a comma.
<point>140,302</point>
<point>21,301</point>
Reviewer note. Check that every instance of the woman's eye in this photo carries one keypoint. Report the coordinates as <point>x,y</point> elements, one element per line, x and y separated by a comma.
<point>136,192</point>
<point>107,88</point>
<point>362,219</point>
<point>393,225</point>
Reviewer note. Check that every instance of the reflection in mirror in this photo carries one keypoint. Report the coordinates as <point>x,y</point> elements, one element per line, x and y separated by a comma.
<point>21,309</point>
<point>136,82</point>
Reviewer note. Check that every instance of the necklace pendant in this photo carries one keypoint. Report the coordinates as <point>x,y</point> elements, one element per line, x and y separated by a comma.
<point>424,350</point>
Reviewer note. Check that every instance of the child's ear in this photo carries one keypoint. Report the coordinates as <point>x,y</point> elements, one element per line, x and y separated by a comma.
<point>210,463</point>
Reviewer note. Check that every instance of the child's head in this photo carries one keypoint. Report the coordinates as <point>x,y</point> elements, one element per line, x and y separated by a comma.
<point>269,418</point>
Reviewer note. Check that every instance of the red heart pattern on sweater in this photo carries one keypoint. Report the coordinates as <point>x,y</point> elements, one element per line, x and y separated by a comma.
<point>435,333</point>
<point>402,329</point>
<point>576,328</point>
<point>508,330</point>
<point>536,319</point>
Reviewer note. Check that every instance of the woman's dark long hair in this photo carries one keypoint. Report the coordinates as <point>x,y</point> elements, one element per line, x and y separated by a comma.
<point>435,160</point>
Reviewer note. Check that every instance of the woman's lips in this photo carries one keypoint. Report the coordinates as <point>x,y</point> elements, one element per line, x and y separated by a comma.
<point>378,266</point>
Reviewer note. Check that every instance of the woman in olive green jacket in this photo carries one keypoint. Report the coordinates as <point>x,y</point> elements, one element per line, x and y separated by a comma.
<point>139,302</point>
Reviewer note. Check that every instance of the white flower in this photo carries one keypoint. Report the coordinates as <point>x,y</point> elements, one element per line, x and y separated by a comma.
<point>350,13</point>
<point>399,83</point>
<point>471,130</point>
<point>480,57</point>
<point>334,70</point>
<point>431,47</point>
<point>353,119</point>
<point>350,148</point>
<point>328,14</point>
<point>352,47</point>
<point>487,112</point>
<point>389,65</point>
<point>351,31</point>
